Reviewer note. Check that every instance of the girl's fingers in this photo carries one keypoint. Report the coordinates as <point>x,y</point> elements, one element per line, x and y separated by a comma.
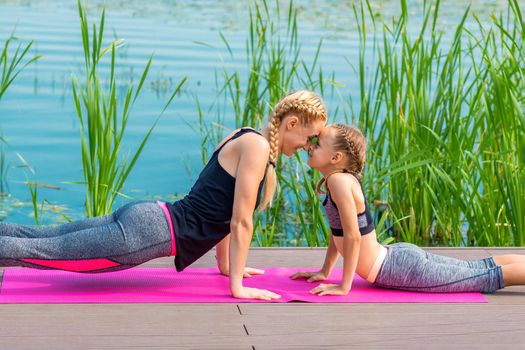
<point>295,275</point>
<point>301,275</point>
<point>314,278</point>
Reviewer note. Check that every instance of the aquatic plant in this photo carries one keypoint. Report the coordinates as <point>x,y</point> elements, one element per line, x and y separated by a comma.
<point>11,62</point>
<point>103,120</point>
<point>445,124</point>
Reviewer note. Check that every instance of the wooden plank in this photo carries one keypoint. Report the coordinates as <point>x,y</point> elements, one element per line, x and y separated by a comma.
<point>272,326</point>
<point>385,325</point>
<point>122,325</point>
<point>130,341</point>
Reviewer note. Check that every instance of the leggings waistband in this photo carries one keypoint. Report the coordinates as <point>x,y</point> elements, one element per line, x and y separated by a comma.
<point>377,265</point>
<point>164,207</point>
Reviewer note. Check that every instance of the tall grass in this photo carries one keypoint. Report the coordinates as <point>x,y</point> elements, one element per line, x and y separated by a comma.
<point>103,120</point>
<point>445,123</point>
<point>11,64</point>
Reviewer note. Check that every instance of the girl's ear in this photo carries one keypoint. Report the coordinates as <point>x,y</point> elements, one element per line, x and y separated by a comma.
<point>336,157</point>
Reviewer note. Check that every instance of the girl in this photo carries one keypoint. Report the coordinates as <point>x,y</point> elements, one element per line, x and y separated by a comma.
<point>217,211</point>
<point>339,154</point>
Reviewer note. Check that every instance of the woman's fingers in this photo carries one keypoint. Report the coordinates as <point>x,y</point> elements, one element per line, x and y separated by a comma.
<point>266,295</point>
<point>249,272</point>
<point>253,271</point>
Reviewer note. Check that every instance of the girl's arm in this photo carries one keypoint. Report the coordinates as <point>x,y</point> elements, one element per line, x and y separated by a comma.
<point>329,262</point>
<point>253,157</point>
<point>331,258</point>
<point>341,191</point>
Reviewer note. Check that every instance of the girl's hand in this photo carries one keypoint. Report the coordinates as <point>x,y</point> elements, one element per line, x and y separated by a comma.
<point>254,293</point>
<point>250,271</point>
<point>329,289</point>
<point>312,276</point>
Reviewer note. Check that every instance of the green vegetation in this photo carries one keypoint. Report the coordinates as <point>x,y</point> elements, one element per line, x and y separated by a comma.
<point>446,127</point>
<point>444,116</point>
<point>103,121</point>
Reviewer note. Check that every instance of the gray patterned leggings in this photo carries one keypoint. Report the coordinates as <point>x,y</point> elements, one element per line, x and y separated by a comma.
<point>409,267</point>
<point>130,236</point>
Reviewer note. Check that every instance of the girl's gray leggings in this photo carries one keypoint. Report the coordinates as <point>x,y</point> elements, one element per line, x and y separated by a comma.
<point>409,267</point>
<point>130,236</point>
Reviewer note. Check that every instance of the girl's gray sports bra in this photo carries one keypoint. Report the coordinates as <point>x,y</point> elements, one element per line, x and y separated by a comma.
<point>202,218</point>
<point>364,219</point>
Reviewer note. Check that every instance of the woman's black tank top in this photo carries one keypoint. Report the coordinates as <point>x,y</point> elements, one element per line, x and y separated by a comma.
<point>202,218</point>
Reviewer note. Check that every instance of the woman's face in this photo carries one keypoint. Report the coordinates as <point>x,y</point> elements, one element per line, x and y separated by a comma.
<point>320,152</point>
<point>297,135</point>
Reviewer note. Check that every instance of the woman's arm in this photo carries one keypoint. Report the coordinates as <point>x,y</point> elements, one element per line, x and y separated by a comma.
<point>222,256</point>
<point>253,158</point>
<point>341,191</point>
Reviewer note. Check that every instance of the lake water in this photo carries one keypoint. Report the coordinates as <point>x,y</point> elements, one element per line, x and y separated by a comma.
<point>37,115</point>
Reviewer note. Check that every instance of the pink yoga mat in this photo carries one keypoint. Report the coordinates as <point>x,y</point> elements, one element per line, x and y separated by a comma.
<point>193,285</point>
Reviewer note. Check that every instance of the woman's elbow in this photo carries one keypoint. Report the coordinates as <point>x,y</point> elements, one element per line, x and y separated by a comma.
<point>241,226</point>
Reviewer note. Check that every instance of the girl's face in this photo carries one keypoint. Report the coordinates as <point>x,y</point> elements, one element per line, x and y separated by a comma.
<point>320,151</point>
<point>297,135</point>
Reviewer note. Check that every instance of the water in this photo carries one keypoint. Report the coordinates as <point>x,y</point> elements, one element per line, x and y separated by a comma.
<point>37,114</point>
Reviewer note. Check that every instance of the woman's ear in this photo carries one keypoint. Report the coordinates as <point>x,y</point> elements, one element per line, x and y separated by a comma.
<point>292,122</point>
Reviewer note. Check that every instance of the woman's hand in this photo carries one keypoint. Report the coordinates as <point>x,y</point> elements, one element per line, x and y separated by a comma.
<point>312,276</point>
<point>329,289</point>
<point>254,293</point>
<point>250,271</point>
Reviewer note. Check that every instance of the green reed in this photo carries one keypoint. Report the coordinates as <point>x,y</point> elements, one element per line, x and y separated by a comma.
<point>498,196</point>
<point>103,120</point>
<point>11,62</point>
<point>445,124</point>
<point>273,68</point>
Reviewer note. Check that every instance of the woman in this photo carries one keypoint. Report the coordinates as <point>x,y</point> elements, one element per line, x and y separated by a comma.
<point>217,211</point>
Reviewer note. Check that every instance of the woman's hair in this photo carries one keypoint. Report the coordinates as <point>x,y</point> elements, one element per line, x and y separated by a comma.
<point>352,143</point>
<point>306,106</point>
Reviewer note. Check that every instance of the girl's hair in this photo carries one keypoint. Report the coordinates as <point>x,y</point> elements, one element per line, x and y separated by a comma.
<point>306,106</point>
<point>352,143</point>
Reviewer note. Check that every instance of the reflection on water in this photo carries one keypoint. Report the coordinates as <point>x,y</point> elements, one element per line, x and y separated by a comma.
<point>37,114</point>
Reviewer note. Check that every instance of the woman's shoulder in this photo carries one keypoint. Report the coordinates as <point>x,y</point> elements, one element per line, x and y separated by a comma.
<point>251,139</point>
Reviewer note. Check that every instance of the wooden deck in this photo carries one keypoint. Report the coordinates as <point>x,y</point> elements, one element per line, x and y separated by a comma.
<point>501,322</point>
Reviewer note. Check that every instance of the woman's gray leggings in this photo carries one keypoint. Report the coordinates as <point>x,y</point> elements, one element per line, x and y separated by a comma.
<point>409,267</point>
<point>130,236</point>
